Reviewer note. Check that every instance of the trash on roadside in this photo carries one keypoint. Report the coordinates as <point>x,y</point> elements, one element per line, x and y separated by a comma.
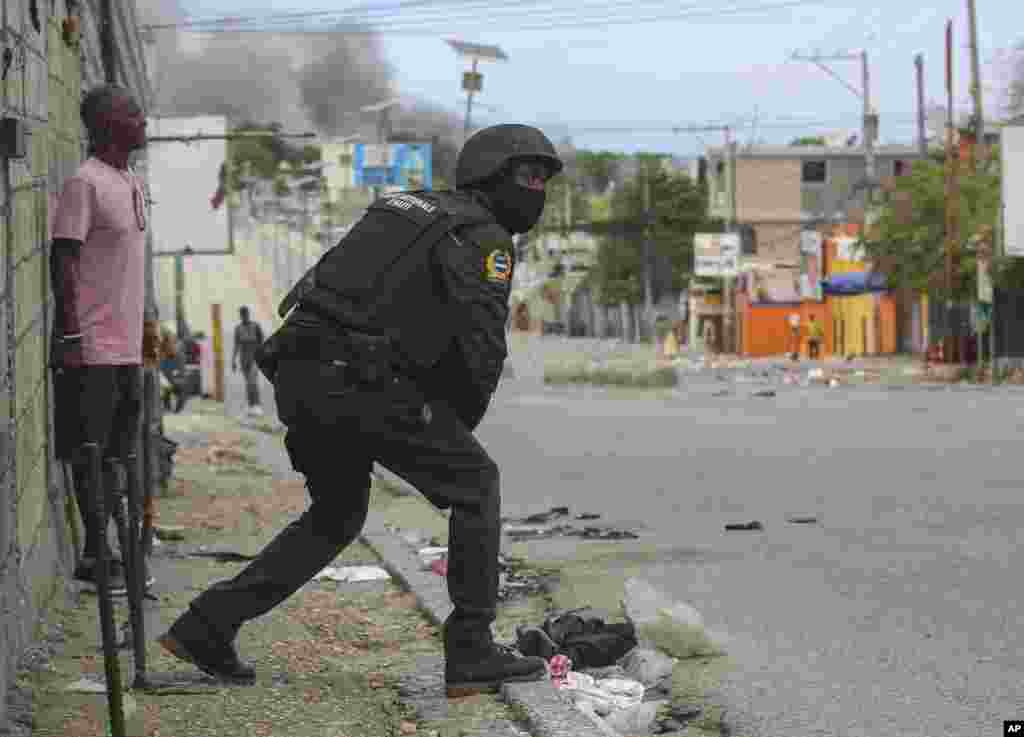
<point>588,516</point>
<point>603,697</point>
<point>833,382</point>
<point>429,555</point>
<point>86,685</point>
<point>753,526</point>
<point>169,533</point>
<point>599,533</point>
<point>439,566</point>
<point>677,627</point>
<point>580,635</point>
<point>764,393</point>
<point>803,520</point>
<point>559,667</point>
<point>353,574</point>
<point>222,556</point>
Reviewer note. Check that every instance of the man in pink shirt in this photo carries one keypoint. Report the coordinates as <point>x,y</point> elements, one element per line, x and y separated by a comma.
<point>97,275</point>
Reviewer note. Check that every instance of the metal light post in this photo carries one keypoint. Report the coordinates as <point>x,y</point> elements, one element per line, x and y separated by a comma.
<point>473,81</point>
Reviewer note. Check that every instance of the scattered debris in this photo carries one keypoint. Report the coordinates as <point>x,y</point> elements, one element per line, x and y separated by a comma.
<point>588,516</point>
<point>598,533</point>
<point>223,556</point>
<point>803,520</point>
<point>745,526</point>
<point>407,728</point>
<point>439,566</point>
<point>602,697</point>
<point>764,393</point>
<point>86,685</point>
<point>559,666</point>
<point>429,555</point>
<point>353,574</point>
<point>170,533</point>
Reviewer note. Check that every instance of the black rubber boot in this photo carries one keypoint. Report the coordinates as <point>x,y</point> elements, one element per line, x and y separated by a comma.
<point>475,664</point>
<point>193,640</point>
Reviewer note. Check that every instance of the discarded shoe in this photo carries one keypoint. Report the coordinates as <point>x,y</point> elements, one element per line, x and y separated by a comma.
<point>191,640</point>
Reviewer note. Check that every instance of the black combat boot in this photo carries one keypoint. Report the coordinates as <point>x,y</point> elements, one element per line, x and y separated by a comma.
<point>191,638</point>
<point>475,664</point>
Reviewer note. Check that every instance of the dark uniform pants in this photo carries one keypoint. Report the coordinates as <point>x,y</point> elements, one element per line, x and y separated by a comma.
<point>337,429</point>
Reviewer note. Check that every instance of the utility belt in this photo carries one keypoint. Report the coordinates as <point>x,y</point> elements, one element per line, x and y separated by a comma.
<point>364,358</point>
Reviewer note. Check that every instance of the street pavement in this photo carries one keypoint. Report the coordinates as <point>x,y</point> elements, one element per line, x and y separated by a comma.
<point>895,615</point>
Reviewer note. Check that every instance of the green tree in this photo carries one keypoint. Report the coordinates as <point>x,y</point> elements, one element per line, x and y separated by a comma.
<point>678,210</point>
<point>909,242</point>
<point>808,141</point>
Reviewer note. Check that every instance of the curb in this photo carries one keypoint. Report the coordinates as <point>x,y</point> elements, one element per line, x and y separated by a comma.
<point>547,713</point>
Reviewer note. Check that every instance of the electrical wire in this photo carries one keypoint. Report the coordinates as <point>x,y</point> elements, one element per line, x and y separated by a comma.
<point>446,24</point>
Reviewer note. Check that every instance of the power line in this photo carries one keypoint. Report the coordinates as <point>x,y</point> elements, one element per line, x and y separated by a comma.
<point>445,25</point>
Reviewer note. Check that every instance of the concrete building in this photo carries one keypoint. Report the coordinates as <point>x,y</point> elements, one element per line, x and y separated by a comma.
<point>54,54</point>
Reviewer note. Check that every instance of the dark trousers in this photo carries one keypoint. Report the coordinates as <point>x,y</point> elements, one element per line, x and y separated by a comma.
<point>814,349</point>
<point>252,382</point>
<point>102,405</point>
<point>337,429</point>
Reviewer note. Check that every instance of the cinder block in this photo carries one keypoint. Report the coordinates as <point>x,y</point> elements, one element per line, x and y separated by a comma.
<point>37,85</point>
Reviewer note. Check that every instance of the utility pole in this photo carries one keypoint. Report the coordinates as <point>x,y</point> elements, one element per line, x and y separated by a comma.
<point>869,128</point>
<point>470,91</point>
<point>728,298</point>
<point>980,151</point>
<point>950,352</point>
<point>648,269</point>
<point>922,137</point>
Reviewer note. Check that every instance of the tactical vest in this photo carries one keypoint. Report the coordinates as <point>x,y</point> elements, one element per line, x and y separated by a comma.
<point>381,277</point>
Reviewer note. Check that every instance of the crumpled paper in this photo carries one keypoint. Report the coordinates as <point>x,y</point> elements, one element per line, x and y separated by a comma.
<point>353,574</point>
<point>602,697</point>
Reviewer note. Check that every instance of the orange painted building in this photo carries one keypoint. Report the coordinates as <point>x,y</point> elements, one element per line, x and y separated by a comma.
<point>862,324</point>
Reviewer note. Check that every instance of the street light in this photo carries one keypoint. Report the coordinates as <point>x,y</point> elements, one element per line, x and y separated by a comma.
<point>473,81</point>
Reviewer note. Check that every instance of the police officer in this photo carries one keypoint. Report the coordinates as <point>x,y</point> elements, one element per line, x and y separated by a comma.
<point>390,353</point>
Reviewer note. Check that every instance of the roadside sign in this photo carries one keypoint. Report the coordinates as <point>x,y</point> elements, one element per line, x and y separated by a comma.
<point>716,254</point>
<point>1013,189</point>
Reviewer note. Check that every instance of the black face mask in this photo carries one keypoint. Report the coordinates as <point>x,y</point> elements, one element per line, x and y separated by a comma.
<point>516,208</point>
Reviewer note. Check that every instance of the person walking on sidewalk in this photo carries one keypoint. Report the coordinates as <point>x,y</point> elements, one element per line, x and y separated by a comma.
<point>97,275</point>
<point>248,339</point>
<point>390,353</point>
<point>815,336</point>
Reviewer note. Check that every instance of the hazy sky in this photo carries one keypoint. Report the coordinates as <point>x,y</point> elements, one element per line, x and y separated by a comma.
<point>692,70</point>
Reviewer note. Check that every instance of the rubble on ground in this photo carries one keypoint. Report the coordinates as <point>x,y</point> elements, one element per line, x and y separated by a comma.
<point>552,523</point>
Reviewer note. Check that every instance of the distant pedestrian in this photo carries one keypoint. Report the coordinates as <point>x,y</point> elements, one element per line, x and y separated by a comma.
<point>815,335</point>
<point>794,335</point>
<point>97,274</point>
<point>248,339</point>
<point>709,337</point>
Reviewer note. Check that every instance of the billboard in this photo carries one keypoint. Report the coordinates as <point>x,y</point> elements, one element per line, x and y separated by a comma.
<point>403,166</point>
<point>716,254</point>
<point>184,179</point>
<point>1013,189</point>
<point>810,265</point>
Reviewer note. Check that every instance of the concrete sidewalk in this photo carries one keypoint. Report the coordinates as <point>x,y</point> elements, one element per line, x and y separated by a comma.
<point>336,659</point>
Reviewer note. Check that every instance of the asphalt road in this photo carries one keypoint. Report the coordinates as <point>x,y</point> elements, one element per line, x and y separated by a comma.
<point>896,615</point>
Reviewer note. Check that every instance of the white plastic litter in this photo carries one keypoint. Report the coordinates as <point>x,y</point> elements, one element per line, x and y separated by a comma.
<point>87,685</point>
<point>604,696</point>
<point>429,555</point>
<point>353,574</point>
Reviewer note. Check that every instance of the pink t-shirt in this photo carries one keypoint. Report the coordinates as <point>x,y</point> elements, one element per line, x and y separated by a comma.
<point>104,208</point>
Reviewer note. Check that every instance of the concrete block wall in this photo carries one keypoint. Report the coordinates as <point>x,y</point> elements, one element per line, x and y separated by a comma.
<point>42,88</point>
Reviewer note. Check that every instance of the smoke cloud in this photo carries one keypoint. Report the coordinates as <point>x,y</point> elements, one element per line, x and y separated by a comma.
<point>304,82</point>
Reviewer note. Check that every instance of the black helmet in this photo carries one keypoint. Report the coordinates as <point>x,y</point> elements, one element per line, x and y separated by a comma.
<point>488,151</point>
